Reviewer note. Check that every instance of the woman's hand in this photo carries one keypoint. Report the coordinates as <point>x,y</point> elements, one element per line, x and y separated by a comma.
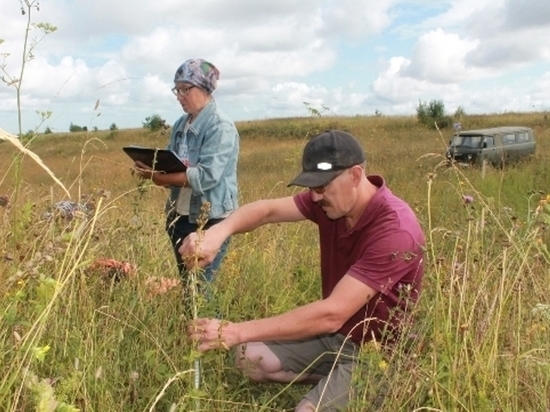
<point>159,177</point>
<point>142,170</point>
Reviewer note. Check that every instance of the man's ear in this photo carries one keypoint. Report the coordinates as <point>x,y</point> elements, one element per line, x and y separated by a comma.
<point>357,173</point>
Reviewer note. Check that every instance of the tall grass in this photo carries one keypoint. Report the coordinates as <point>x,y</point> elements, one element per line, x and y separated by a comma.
<point>78,338</point>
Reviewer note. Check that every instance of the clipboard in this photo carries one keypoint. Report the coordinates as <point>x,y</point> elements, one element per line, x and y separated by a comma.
<point>162,160</point>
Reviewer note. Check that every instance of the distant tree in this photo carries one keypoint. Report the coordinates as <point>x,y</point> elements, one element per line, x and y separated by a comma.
<point>95,129</point>
<point>422,113</point>
<point>430,113</point>
<point>27,136</point>
<point>48,130</point>
<point>114,131</point>
<point>75,128</point>
<point>378,113</point>
<point>155,123</point>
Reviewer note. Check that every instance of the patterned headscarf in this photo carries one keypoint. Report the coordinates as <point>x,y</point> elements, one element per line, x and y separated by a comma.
<point>198,72</point>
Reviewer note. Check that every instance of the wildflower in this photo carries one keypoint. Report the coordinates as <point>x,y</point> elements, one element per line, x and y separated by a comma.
<point>542,310</point>
<point>113,269</point>
<point>383,365</point>
<point>40,352</point>
<point>160,286</point>
<point>468,199</point>
<point>69,210</point>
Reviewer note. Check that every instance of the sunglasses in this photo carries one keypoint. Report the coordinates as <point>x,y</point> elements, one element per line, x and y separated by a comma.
<point>322,189</point>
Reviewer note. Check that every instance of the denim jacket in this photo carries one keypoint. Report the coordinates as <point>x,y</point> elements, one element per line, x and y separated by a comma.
<point>213,143</point>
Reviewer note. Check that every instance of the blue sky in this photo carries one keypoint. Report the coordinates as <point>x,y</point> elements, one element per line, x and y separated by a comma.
<point>354,57</point>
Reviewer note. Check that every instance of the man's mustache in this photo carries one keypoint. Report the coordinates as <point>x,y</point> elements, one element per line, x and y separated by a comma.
<point>322,202</point>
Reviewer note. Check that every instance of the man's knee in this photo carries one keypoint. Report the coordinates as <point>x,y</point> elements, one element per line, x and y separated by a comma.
<point>257,362</point>
<point>305,406</point>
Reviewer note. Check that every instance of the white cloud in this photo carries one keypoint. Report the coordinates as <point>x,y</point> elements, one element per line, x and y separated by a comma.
<point>512,49</point>
<point>111,74</point>
<point>352,56</point>
<point>391,86</point>
<point>540,90</point>
<point>527,14</point>
<point>439,57</point>
<point>509,33</point>
<point>357,18</point>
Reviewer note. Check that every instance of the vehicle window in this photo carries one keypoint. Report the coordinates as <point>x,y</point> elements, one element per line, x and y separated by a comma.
<point>489,141</point>
<point>509,139</point>
<point>467,141</point>
<point>522,137</point>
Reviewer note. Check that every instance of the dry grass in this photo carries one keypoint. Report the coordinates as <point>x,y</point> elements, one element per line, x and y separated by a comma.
<point>73,335</point>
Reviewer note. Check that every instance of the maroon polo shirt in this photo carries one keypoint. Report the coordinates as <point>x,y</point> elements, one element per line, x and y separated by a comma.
<point>385,250</point>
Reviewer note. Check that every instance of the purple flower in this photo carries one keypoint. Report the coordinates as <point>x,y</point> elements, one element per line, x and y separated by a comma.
<point>468,199</point>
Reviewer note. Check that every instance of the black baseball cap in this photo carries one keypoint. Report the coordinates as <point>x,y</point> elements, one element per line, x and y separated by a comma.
<point>326,155</point>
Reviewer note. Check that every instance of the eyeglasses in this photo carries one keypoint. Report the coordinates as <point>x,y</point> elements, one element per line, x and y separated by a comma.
<point>183,91</point>
<point>322,189</point>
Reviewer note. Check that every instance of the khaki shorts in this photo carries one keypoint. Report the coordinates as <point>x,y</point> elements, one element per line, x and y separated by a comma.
<point>331,356</point>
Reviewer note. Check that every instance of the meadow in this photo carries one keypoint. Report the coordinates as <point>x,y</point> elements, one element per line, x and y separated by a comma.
<point>76,337</point>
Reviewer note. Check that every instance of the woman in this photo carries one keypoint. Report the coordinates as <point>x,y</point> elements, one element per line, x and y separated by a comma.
<point>207,141</point>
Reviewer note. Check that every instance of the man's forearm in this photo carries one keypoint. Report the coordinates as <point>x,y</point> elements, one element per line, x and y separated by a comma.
<point>303,322</point>
<point>253,215</point>
<point>244,219</point>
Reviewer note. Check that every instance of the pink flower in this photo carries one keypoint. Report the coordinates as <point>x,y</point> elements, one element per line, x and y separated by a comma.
<point>468,199</point>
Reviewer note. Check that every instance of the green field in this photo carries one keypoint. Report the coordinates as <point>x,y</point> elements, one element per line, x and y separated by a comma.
<point>69,334</point>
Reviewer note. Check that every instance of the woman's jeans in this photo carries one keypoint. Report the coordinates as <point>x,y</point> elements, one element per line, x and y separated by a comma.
<point>178,228</point>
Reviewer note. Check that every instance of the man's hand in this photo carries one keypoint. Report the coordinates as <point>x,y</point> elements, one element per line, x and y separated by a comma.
<point>212,334</point>
<point>199,252</point>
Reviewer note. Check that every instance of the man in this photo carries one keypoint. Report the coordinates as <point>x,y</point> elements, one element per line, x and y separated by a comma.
<point>371,269</point>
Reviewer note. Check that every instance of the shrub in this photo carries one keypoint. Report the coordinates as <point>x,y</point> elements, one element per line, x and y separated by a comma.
<point>76,128</point>
<point>155,123</point>
<point>27,136</point>
<point>431,113</point>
